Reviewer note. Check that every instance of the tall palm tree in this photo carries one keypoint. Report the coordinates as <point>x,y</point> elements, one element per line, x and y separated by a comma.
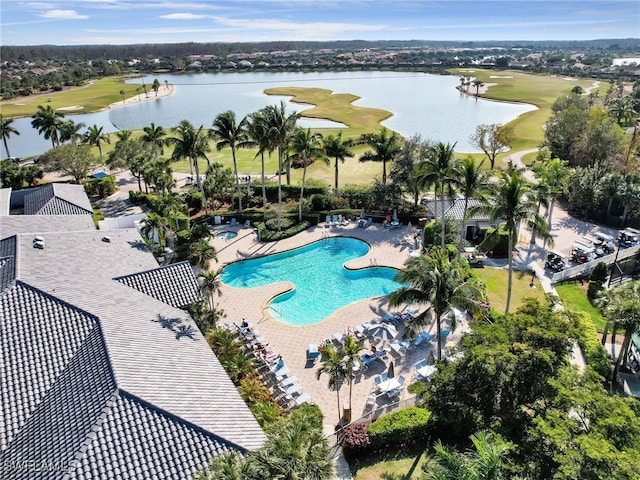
<point>440,283</point>
<point>155,134</point>
<point>305,146</point>
<point>440,171</point>
<point>338,149</point>
<point>6,130</point>
<point>478,83</point>
<point>122,92</point>
<point>336,368</point>
<point>351,352</point>
<point>229,133</point>
<point>201,253</point>
<point>96,137</point>
<point>555,174</point>
<point>154,228</point>
<point>70,131</point>
<point>258,133</point>
<point>472,182</point>
<point>211,285</point>
<point>621,308</point>
<point>191,144</point>
<point>280,127</point>
<point>385,147</point>
<point>48,121</point>
<point>485,462</point>
<point>124,135</point>
<point>514,203</point>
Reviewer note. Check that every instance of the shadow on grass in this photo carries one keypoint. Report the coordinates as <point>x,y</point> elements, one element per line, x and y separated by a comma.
<point>379,464</point>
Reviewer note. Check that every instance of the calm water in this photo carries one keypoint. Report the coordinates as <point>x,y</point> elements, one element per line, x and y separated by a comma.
<point>322,284</point>
<point>423,104</point>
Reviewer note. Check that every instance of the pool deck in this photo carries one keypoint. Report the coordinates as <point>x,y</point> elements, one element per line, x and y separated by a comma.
<point>387,249</point>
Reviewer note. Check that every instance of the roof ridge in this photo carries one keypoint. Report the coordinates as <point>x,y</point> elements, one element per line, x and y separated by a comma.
<point>181,420</point>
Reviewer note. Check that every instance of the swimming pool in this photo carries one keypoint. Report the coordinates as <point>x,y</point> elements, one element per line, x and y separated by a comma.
<point>322,284</point>
<point>226,235</point>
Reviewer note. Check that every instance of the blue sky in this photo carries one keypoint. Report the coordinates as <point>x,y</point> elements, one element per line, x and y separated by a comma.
<point>79,22</point>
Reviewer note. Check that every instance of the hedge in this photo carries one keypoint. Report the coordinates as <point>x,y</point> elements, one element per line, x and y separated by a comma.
<point>588,340</point>
<point>398,428</point>
<point>495,241</point>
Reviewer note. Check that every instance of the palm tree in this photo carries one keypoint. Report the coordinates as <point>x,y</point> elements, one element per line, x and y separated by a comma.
<point>441,284</point>
<point>154,228</point>
<point>201,253</point>
<point>513,202</point>
<point>156,86</point>
<point>280,127</point>
<point>6,130</point>
<point>70,131</point>
<point>351,351</point>
<point>96,137</point>
<point>472,182</point>
<point>555,174</point>
<point>336,368</point>
<point>122,93</point>
<point>124,135</point>
<point>48,122</point>
<point>257,132</point>
<point>191,144</point>
<point>229,465</point>
<point>211,285</point>
<point>338,149</point>
<point>621,308</point>
<point>385,147</point>
<point>307,147</point>
<point>440,171</point>
<point>155,134</point>
<point>478,83</point>
<point>486,462</point>
<point>230,134</point>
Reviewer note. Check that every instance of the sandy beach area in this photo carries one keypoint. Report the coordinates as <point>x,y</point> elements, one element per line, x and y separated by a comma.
<point>163,91</point>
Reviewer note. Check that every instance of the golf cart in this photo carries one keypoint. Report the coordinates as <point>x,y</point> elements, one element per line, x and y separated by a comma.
<point>554,261</point>
<point>605,242</point>
<point>629,237</point>
<point>473,256</point>
<point>582,253</point>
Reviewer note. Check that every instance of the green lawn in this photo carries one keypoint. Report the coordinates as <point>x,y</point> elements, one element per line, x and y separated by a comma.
<point>405,464</point>
<point>496,281</point>
<point>574,297</point>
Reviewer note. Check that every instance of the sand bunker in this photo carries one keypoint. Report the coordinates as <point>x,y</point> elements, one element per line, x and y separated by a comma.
<point>71,107</point>
<point>500,76</point>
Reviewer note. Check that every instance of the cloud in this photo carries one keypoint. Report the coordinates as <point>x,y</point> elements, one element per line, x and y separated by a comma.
<point>183,16</point>
<point>63,15</point>
<point>324,29</point>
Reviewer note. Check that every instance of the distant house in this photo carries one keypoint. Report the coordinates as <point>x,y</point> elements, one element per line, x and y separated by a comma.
<point>104,374</point>
<point>58,199</point>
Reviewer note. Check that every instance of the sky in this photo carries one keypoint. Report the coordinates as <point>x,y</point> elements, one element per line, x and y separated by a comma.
<point>118,22</point>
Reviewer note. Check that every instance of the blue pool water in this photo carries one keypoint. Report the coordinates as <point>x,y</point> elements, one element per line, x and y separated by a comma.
<point>226,235</point>
<point>322,284</point>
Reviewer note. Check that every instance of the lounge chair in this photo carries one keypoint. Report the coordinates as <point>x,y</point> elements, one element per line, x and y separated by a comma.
<point>233,222</point>
<point>288,381</point>
<point>335,221</point>
<point>371,401</point>
<point>327,221</point>
<point>247,223</point>
<point>369,222</point>
<point>217,220</point>
<point>304,398</point>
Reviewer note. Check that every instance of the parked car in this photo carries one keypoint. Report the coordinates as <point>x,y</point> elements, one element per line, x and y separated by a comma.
<point>593,242</point>
<point>555,261</point>
<point>629,237</point>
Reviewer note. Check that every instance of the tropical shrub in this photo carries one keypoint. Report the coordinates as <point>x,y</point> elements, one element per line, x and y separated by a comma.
<point>399,428</point>
<point>588,340</point>
<point>355,439</point>
<point>495,241</point>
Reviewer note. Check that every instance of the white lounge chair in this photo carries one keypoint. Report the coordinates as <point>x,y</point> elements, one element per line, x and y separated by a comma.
<point>371,401</point>
<point>304,398</point>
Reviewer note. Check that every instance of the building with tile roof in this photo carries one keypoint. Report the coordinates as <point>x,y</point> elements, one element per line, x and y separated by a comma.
<point>102,374</point>
<point>58,199</point>
<point>474,226</point>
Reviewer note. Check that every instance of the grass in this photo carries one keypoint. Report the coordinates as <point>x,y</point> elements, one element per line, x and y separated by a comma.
<point>97,214</point>
<point>405,464</point>
<point>574,298</point>
<point>496,281</point>
<point>98,95</point>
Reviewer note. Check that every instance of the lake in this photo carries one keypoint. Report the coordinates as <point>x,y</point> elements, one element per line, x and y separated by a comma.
<point>424,104</point>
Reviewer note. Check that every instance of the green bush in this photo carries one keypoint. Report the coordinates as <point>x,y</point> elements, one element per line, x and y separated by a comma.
<point>137,198</point>
<point>194,199</point>
<point>599,274</point>
<point>399,428</point>
<point>588,340</point>
<point>102,187</point>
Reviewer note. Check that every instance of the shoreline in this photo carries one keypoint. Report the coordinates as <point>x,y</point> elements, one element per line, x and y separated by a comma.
<point>163,91</point>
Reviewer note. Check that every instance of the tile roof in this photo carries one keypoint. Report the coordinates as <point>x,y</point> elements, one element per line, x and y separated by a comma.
<point>7,262</point>
<point>456,210</point>
<point>37,224</point>
<point>97,372</point>
<point>5,201</point>
<point>173,284</point>
<point>58,199</point>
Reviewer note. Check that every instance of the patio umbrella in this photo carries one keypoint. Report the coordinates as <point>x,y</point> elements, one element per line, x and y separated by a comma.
<point>395,215</point>
<point>384,332</point>
<point>362,212</point>
<point>391,373</point>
